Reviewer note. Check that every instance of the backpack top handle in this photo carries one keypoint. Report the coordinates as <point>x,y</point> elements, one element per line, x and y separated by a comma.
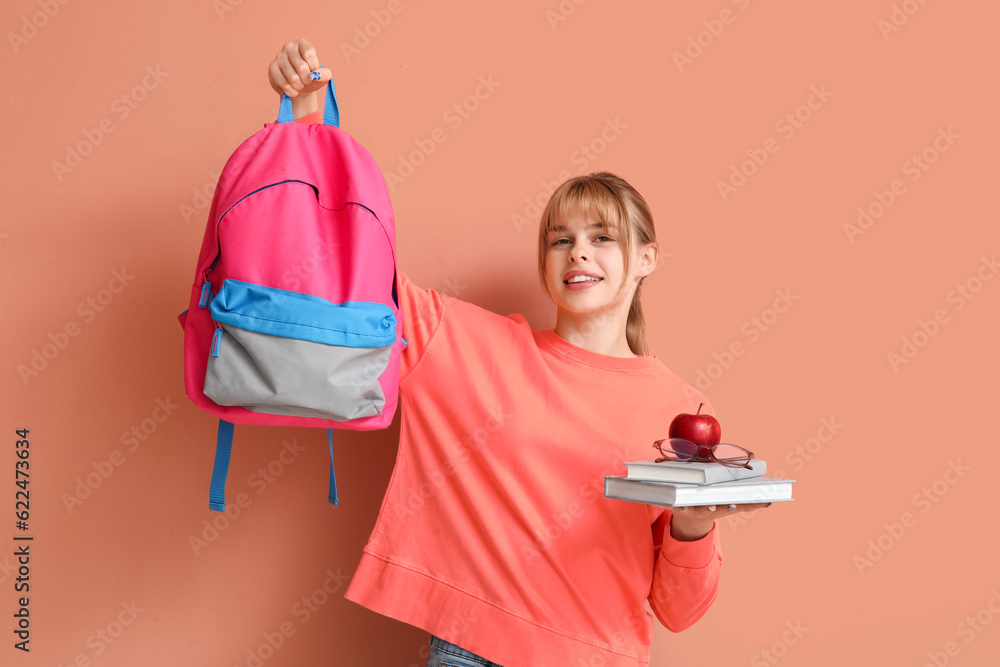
<point>331,114</point>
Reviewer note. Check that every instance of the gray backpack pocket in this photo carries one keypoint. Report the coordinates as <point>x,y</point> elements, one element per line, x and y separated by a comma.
<point>286,353</point>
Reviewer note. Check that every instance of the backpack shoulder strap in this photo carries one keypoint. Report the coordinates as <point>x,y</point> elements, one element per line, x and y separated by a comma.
<point>223,447</point>
<point>332,497</point>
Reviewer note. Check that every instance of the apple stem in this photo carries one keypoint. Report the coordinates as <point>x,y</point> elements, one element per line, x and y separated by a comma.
<point>699,409</point>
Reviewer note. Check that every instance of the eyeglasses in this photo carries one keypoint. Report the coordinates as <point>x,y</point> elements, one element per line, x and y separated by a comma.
<point>678,449</point>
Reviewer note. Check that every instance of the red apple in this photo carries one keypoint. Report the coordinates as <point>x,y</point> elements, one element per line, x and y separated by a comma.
<point>698,428</point>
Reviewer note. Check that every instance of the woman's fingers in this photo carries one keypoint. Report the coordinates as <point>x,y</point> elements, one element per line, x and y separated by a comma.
<point>308,54</point>
<point>700,511</point>
<point>281,73</point>
<point>295,64</point>
<point>289,72</point>
<point>725,510</point>
<point>719,511</point>
<point>285,77</point>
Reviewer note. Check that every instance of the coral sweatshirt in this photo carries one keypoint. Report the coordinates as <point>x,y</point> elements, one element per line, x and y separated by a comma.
<point>494,533</point>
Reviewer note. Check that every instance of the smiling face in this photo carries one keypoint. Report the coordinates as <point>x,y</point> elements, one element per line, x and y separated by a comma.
<point>596,245</point>
<point>585,265</point>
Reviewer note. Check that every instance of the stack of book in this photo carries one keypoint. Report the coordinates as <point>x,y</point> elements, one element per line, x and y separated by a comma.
<point>687,483</point>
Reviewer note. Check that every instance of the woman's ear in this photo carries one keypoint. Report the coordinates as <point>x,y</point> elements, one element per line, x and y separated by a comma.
<point>648,258</point>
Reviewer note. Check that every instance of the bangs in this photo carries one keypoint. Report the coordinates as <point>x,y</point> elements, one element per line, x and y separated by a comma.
<point>591,199</point>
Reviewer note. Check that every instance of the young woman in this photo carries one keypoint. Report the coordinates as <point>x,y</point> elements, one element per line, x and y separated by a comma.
<point>494,534</point>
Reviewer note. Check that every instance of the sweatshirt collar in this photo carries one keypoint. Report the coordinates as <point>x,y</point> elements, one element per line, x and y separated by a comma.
<point>550,340</point>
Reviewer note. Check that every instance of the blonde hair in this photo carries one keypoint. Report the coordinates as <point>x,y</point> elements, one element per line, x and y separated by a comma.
<point>621,209</point>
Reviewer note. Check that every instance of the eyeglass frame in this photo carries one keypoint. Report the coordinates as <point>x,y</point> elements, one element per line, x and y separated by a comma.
<point>710,458</point>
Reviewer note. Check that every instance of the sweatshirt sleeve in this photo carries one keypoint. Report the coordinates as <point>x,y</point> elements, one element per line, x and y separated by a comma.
<point>685,576</point>
<point>422,312</point>
<point>314,117</point>
<point>686,573</point>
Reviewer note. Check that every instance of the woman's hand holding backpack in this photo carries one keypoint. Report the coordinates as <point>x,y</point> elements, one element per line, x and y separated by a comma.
<point>289,74</point>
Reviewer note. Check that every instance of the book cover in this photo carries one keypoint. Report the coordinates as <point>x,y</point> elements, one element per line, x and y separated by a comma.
<point>692,472</point>
<point>738,492</point>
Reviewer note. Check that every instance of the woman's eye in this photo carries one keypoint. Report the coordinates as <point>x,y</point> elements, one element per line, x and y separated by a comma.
<point>602,238</point>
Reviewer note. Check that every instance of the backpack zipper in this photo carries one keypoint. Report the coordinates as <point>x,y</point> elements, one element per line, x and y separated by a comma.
<point>206,286</point>
<point>217,340</point>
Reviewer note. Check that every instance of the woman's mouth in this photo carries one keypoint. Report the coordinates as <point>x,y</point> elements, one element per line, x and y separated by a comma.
<point>581,282</point>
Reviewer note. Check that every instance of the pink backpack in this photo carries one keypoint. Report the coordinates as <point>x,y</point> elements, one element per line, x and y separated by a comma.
<point>294,319</point>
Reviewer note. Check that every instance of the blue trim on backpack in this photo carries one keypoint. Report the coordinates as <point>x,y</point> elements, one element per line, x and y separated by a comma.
<point>331,114</point>
<point>290,314</point>
<point>206,294</point>
<point>223,447</point>
<point>279,312</point>
<point>332,496</point>
<point>216,348</point>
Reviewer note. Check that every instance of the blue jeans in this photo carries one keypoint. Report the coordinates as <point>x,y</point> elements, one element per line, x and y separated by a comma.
<point>446,654</point>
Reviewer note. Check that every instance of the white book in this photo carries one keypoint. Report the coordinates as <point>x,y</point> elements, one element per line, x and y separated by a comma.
<point>738,492</point>
<point>692,472</point>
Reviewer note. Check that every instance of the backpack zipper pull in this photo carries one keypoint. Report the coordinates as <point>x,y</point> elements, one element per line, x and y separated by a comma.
<point>206,293</point>
<point>217,340</point>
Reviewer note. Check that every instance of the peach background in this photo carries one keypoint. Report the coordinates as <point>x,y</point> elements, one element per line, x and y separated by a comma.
<point>63,235</point>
